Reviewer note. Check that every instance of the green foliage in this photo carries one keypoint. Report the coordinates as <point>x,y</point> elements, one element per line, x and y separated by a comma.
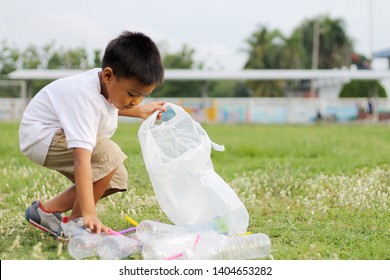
<point>270,49</point>
<point>182,59</point>
<point>97,63</point>
<point>316,193</point>
<point>9,57</point>
<point>179,89</point>
<point>46,57</point>
<point>267,49</point>
<point>31,58</point>
<point>68,59</point>
<point>55,61</point>
<point>227,89</point>
<point>335,48</point>
<point>363,88</point>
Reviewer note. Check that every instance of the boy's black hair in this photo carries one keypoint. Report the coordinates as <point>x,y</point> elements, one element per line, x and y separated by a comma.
<point>134,55</point>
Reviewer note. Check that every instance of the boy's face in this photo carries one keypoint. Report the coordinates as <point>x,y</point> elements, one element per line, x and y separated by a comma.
<point>123,93</point>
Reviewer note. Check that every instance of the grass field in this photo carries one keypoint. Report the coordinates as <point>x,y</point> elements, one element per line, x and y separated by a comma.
<point>319,192</point>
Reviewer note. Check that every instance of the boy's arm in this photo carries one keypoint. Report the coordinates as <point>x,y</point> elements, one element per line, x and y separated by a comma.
<point>84,189</point>
<point>143,111</point>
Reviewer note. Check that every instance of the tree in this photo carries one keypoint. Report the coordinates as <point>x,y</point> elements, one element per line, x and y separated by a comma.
<point>183,59</point>
<point>227,89</point>
<point>55,60</point>
<point>270,49</point>
<point>31,58</point>
<point>47,57</point>
<point>362,88</point>
<point>266,51</point>
<point>294,51</point>
<point>75,58</point>
<point>335,47</point>
<point>9,57</point>
<point>97,61</point>
<point>68,59</point>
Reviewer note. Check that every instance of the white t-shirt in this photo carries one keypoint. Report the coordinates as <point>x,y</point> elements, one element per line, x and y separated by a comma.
<point>73,104</point>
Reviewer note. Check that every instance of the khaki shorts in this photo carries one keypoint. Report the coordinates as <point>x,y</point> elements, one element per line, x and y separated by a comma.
<point>106,156</point>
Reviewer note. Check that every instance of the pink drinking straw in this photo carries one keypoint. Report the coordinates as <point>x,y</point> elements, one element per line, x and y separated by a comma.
<point>113,232</point>
<point>196,242</point>
<point>174,256</point>
<point>182,254</point>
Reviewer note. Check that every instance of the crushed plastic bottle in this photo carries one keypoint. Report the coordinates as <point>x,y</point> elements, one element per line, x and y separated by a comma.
<point>173,246</point>
<point>148,230</point>
<point>246,247</point>
<point>115,247</point>
<point>168,115</point>
<point>84,246</point>
<point>207,245</point>
<point>218,224</point>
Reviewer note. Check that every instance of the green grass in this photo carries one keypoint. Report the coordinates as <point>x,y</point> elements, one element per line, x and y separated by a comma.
<point>319,192</point>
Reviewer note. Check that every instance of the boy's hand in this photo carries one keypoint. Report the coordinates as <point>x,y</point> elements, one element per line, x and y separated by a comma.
<point>144,111</point>
<point>147,109</point>
<point>94,224</point>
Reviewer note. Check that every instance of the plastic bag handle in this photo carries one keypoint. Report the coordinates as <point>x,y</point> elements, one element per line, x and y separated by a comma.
<point>179,111</point>
<point>151,120</point>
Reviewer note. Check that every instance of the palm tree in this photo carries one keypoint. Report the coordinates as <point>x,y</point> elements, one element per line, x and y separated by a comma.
<point>335,47</point>
<point>266,51</point>
<point>269,49</point>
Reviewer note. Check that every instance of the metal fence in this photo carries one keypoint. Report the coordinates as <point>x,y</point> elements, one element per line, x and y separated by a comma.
<point>251,110</point>
<point>280,110</point>
<point>11,109</point>
<point>13,99</point>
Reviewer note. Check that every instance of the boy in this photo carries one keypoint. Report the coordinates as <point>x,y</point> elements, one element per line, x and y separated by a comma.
<point>67,127</point>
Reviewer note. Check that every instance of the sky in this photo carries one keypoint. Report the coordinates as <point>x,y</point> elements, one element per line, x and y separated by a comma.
<point>215,29</point>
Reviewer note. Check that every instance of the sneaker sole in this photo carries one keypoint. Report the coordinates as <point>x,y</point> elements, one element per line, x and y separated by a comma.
<point>38,225</point>
<point>57,237</point>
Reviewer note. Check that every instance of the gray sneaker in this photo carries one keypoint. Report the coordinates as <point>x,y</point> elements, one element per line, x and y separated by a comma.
<point>71,228</point>
<point>48,222</point>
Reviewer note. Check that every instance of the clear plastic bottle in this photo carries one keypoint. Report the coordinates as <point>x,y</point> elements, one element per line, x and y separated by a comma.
<point>148,230</point>
<point>167,115</point>
<point>246,247</point>
<point>84,246</point>
<point>114,247</point>
<point>218,224</point>
<point>173,246</point>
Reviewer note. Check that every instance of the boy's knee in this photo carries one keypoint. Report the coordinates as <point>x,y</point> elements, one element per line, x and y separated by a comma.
<point>106,149</point>
<point>119,180</point>
<point>121,176</point>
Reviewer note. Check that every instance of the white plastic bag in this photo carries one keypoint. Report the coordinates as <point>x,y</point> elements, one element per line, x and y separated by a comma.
<point>188,190</point>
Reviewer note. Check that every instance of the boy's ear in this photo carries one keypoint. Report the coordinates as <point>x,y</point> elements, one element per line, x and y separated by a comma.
<point>107,74</point>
